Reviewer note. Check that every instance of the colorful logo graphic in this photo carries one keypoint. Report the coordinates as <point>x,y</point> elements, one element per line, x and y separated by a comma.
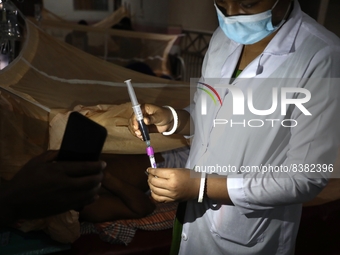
<point>209,90</point>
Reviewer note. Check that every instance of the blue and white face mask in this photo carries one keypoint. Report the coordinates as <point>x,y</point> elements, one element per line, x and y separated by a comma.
<point>248,29</point>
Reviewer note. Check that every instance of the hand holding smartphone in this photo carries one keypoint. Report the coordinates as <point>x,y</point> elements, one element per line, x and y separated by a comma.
<point>83,139</point>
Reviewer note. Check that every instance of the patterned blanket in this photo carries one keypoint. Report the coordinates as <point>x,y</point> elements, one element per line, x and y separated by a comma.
<point>123,231</point>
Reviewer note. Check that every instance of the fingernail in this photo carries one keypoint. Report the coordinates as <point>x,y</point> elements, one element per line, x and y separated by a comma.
<point>103,165</point>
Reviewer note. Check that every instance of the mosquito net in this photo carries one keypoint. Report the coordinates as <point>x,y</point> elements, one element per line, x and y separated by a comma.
<point>48,15</point>
<point>122,47</point>
<point>113,19</point>
<point>49,78</point>
<point>107,22</point>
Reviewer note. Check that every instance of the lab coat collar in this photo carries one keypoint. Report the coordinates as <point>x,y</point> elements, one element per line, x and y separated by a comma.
<point>284,41</point>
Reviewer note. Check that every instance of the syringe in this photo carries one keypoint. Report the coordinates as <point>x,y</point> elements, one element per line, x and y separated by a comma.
<point>139,116</point>
<point>138,112</point>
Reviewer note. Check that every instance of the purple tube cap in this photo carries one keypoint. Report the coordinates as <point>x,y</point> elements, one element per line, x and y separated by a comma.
<point>149,151</point>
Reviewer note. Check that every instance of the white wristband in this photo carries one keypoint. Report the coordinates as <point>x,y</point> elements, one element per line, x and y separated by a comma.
<point>202,186</point>
<point>174,127</point>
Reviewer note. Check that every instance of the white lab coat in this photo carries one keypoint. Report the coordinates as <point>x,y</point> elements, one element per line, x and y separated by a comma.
<point>267,205</point>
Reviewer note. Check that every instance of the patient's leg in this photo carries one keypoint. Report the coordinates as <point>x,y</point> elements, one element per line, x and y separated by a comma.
<point>123,192</point>
<point>118,200</point>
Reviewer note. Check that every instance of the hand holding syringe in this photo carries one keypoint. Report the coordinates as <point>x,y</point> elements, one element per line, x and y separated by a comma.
<point>142,127</point>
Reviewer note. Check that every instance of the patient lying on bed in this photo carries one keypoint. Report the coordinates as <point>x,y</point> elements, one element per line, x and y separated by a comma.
<point>124,190</point>
<point>123,195</point>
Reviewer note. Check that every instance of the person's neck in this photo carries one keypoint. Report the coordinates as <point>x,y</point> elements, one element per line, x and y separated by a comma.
<point>250,52</point>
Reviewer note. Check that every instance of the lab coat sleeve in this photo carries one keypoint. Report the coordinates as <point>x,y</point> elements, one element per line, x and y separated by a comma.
<point>312,147</point>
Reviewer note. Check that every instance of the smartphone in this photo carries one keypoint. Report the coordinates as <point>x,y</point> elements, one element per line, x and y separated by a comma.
<point>83,139</point>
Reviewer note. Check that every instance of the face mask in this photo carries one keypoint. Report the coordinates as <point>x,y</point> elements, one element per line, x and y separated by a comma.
<point>248,29</point>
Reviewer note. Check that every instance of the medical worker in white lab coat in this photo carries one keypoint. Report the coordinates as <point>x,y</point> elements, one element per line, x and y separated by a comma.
<point>268,141</point>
